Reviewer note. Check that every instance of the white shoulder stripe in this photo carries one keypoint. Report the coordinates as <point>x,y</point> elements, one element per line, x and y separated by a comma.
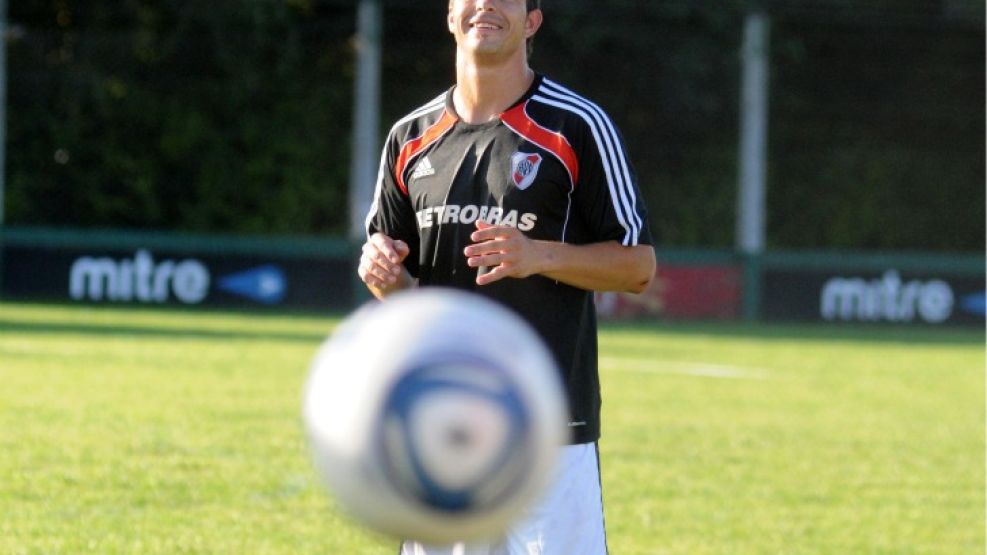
<point>611,153</point>
<point>615,197</point>
<point>431,106</point>
<point>615,149</point>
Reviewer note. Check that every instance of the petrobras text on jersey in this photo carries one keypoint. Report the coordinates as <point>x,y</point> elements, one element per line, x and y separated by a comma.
<point>495,215</point>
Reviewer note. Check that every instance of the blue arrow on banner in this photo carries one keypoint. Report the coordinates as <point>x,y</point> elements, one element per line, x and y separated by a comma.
<point>975,304</point>
<point>264,284</point>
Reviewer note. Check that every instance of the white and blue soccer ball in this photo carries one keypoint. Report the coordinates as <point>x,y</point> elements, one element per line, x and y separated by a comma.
<point>435,415</point>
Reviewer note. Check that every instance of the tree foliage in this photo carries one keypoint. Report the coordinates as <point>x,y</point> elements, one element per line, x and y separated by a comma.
<point>205,116</point>
<point>235,116</point>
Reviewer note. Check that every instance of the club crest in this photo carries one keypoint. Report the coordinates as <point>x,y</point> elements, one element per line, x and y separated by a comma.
<point>524,168</point>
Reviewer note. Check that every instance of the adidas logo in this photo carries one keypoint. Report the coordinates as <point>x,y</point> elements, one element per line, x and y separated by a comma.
<point>423,169</point>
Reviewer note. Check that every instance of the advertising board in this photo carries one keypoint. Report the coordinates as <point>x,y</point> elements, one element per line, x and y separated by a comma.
<point>891,296</point>
<point>176,277</point>
<point>681,291</point>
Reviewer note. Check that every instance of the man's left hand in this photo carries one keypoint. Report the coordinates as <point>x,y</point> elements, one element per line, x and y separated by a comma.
<point>505,250</point>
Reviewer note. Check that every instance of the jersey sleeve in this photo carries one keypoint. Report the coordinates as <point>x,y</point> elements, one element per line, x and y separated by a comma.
<point>391,212</point>
<point>607,193</point>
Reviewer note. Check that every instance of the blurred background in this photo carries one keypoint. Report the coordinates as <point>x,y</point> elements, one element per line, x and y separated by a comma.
<point>856,129</point>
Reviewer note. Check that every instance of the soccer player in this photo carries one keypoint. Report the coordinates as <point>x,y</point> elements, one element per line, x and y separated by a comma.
<point>514,187</point>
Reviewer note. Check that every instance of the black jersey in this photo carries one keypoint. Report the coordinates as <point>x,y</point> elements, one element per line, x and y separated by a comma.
<point>553,166</point>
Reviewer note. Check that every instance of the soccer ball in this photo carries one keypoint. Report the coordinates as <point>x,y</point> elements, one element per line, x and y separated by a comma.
<point>435,416</point>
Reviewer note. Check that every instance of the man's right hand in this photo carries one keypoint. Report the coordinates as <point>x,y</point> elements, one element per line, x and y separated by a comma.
<point>381,267</point>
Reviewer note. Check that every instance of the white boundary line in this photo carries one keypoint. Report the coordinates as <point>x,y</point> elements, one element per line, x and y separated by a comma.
<point>697,369</point>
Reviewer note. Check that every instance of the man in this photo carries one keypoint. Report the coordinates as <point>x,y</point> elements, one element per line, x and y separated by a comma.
<point>514,187</point>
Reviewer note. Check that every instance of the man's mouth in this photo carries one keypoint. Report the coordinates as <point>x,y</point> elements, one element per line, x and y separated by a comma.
<point>485,26</point>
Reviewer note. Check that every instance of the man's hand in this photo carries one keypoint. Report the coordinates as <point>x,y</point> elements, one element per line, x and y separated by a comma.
<point>603,266</point>
<point>381,264</point>
<point>505,250</point>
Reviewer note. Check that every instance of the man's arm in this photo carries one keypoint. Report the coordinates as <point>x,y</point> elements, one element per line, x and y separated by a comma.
<point>605,266</point>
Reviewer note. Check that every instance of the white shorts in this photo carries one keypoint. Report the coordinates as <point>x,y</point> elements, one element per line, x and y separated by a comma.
<point>567,521</point>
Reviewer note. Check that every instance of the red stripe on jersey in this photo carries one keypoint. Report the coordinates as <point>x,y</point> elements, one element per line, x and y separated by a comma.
<point>415,147</point>
<point>520,122</point>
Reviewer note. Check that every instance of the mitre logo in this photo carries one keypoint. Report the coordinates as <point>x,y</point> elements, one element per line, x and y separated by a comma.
<point>524,168</point>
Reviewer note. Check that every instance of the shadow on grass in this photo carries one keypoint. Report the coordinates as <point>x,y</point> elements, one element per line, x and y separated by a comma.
<point>805,331</point>
<point>800,331</point>
<point>117,330</point>
<point>765,332</point>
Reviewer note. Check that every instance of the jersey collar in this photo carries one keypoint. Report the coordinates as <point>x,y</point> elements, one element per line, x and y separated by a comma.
<point>535,83</point>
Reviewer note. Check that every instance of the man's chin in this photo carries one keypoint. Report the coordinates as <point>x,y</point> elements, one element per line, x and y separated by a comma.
<point>483,45</point>
<point>487,50</point>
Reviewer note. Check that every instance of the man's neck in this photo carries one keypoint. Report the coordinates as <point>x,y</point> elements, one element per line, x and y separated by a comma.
<point>483,92</point>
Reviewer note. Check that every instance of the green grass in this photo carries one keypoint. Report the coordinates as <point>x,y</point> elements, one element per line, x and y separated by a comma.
<point>161,431</point>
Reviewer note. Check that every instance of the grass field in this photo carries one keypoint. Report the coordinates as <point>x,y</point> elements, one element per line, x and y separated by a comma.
<point>142,431</point>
